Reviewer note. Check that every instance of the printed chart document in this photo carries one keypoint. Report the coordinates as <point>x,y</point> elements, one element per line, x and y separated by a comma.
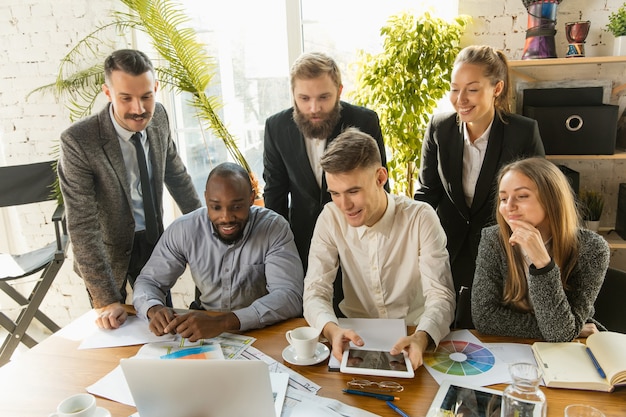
<point>570,365</point>
<point>378,334</point>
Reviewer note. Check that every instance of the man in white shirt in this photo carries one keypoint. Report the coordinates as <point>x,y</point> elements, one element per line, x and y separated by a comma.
<point>391,249</point>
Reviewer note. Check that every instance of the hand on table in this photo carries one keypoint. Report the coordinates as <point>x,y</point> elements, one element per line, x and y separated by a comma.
<point>111,316</point>
<point>588,329</point>
<point>193,326</point>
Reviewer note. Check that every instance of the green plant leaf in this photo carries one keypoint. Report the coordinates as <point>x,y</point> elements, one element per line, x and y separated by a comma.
<point>404,82</point>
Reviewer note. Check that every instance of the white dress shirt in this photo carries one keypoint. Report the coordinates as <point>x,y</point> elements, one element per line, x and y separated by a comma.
<point>473,157</point>
<point>314,150</point>
<point>398,268</point>
<point>132,168</point>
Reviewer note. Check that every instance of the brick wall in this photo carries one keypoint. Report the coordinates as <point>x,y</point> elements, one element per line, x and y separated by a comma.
<point>34,35</point>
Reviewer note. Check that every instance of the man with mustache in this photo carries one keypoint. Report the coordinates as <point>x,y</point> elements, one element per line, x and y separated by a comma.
<point>100,171</point>
<point>295,184</point>
<point>242,258</point>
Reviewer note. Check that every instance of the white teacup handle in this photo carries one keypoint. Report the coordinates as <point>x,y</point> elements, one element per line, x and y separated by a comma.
<point>288,336</point>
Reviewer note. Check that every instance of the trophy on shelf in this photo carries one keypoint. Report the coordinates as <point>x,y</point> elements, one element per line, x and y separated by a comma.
<point>541,29</point>
<point>576,33</point>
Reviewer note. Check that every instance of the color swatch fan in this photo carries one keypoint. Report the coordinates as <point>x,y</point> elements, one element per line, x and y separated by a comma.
<point>457,357</point>
<point>462,358</point>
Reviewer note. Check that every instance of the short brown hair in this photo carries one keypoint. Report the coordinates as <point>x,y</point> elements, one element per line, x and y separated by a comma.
<point>312,65</point>
<point>130,61</point>
<point>350,150</point>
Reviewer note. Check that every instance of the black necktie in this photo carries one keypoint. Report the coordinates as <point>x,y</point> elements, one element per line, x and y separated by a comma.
<point>149,206</point>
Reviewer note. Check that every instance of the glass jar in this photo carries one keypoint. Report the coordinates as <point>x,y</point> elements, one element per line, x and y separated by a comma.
<point>523,398</point>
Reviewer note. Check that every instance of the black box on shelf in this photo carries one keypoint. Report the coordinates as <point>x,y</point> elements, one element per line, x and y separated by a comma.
<point>620,220</point>
<point>576,130</point>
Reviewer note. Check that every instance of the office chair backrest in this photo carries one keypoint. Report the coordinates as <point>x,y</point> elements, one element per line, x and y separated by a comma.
<point>610,306</point>
<point>25,184</point>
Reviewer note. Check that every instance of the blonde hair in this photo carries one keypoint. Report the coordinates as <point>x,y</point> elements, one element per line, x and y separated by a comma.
<point>312,65</point>
<point>558,201</point>
<point>496,68</point>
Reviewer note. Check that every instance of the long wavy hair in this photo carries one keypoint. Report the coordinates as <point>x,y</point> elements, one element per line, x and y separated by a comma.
<point>559,203</point>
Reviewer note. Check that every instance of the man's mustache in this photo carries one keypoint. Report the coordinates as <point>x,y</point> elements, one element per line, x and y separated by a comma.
<point>137,116</point>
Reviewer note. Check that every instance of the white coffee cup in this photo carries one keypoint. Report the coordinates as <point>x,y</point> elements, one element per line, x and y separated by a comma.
<point>79,405</point>
<point>304,341</point>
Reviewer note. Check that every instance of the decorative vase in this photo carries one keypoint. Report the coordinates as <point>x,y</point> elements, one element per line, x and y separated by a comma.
<point>619,45</point>
<point>576,33</point>
<point>541,29</point>
<point>592,225</point>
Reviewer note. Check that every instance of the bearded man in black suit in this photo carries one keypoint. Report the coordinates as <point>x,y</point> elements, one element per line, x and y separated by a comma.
<point>295,139</point>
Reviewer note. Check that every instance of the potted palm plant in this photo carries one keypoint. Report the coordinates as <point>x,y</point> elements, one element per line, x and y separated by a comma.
<point>184,66</point>
<point>617,26</point>
<point>592,203</point>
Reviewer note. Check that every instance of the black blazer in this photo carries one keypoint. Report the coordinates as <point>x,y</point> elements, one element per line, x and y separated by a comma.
<point>440,181</point>
<point>290,185</point>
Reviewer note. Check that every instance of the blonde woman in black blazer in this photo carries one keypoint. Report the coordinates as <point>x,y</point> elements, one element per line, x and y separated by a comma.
<point>461,187</point>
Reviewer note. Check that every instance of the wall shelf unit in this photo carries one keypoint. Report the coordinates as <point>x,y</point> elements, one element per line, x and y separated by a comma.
<point>619,154</point>
<point>600,171</point>
<point>567,61</point>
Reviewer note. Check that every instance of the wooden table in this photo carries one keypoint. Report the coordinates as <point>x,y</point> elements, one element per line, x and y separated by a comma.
<point>38,380</point>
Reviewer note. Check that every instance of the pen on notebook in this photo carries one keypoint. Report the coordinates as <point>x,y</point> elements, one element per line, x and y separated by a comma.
<point>595,363</point>
<point>397,409</point>
<point>383,397</point>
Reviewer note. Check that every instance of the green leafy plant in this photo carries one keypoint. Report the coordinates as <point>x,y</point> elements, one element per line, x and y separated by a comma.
<point>184,65</point>
<point>592,203</point>
<point>617,22</point>
<point>404,82</point>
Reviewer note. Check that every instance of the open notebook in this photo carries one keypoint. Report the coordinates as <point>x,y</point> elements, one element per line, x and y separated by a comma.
<point>204,388</point>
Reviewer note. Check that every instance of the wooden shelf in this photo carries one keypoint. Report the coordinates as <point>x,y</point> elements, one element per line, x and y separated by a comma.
<point>611,236</point>
<point>567,61</point>
<point>619,154</point>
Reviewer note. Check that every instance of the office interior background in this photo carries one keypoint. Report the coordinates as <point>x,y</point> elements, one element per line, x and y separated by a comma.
<point>254,43</point>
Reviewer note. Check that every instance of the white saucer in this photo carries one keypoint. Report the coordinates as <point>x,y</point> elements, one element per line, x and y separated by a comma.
<point>102,412</point>
<point>321,353</point>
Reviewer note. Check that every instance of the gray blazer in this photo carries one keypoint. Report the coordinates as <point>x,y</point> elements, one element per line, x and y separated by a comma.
<point>97,197</point>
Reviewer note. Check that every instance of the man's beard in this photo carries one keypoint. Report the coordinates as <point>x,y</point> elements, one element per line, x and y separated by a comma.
<point>321,130</point>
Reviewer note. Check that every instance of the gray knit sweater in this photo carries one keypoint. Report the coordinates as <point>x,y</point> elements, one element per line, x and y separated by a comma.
<point>559,314</point>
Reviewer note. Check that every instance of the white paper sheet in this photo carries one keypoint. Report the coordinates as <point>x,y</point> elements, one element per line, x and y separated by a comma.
<point>296,381</point>
<point>133,332</point>
<point>303,404</point>
<point>378,334</point>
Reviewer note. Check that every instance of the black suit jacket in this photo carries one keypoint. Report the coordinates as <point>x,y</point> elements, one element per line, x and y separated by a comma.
<point>440,181</point>
<point>290,185</point>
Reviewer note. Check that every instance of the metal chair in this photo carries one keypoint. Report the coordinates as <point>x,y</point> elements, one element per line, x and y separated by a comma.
<point>609,305</point>
<point>25,184</point>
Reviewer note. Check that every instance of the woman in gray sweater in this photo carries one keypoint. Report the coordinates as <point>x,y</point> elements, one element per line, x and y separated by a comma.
<point>538,272</point>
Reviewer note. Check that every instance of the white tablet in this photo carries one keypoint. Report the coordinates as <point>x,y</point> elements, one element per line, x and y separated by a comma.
<point>454,399</point>
<point>376,362</point>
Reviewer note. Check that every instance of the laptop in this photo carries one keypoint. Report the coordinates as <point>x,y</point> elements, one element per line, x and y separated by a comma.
<point>202,388</point>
